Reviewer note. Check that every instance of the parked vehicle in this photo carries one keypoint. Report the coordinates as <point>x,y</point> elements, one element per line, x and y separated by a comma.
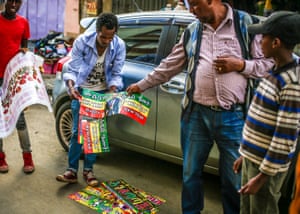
<point>149,37</point>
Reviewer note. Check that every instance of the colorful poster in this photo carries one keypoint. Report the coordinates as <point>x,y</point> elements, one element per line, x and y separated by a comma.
<point>138,200</point>
<point>95,107</point>
<point>22,86</point>
<point>92,122</point>
<point>91,7</point>
<point>93,135</point>
<point>92,104</point>
<point>101,200</point>
<point>114,103</point>
<point>136,107</point>
<point>118,197</point>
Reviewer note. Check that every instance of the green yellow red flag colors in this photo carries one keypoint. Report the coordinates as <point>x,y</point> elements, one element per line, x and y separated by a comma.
<point>95,107</point>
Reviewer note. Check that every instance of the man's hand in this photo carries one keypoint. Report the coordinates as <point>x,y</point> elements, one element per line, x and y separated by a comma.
<point>23,50</point>
<point>74,94</point>
<point>254,184</point>
<point>112,89</point>
<point>228,64</point>
<point>133,88</point>
<point>237,165</point>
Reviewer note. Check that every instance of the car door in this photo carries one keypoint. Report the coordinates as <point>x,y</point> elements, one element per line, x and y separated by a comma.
<point>169,113</point>
<point>169,106</point>
<point>143,43</point>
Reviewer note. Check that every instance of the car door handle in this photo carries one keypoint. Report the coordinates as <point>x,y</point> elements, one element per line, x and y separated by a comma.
<point>173,87</point>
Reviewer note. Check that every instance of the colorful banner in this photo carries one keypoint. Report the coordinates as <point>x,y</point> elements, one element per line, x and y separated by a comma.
<point>92,104</point>
<point>136,107</point>
<point>92,122</point>
<point>93,135</point>
<point>138,200</point>
<point>95,107</point>
<point>118,197</point>
<point>22,86</point>
<point>91,7</point>
<point>101,200</point>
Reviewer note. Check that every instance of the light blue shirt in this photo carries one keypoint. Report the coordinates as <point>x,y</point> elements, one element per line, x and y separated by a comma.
<point>84,57</point>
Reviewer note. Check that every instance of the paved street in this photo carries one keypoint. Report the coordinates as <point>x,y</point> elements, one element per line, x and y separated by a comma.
<point>41,193</point>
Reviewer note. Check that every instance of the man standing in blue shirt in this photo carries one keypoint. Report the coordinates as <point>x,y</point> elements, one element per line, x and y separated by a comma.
<point>97,61</point>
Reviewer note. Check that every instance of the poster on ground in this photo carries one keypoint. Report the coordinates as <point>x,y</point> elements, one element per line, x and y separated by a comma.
<point>118,197</point>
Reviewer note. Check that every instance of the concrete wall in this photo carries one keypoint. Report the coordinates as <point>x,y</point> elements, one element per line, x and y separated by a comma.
<point>72,28</point>
<point>77,9</point>
<point>107,5</point>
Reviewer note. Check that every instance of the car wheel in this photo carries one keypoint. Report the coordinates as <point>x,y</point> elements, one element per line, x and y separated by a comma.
<point>63,124</point>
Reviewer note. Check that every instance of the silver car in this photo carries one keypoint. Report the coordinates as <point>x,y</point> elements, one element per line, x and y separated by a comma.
<point>149,37</point>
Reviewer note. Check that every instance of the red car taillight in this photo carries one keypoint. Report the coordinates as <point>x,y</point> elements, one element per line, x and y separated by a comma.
<point>61,63</point>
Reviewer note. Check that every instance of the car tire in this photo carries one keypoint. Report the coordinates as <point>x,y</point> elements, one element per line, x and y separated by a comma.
<point>63,124</point>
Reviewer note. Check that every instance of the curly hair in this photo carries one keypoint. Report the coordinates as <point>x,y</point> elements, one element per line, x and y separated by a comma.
<point>109,20</point>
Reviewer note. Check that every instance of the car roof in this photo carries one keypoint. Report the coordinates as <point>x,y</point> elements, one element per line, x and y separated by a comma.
<point>147,17</point>
<point>158,16</point>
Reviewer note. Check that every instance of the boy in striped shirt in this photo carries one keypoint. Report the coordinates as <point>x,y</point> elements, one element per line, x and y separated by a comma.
<point>272,124</point>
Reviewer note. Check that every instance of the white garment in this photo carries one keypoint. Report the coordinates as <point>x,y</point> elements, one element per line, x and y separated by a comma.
<point>96,80</point>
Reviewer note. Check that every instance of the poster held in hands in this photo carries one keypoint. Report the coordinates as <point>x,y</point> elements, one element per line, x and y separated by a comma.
<point>96,107</point>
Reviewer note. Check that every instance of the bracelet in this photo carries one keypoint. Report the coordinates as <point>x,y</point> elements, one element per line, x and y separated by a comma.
<point>244,65</point>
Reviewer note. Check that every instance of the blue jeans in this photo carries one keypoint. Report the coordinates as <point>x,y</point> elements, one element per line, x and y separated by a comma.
<point>22,134</point>
<point>204,127</point>
<point>75,148</point>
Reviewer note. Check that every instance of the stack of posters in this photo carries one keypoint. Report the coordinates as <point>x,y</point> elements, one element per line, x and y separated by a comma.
<point>95,107</point>
<point>92,122</point>
<point>118,197</point>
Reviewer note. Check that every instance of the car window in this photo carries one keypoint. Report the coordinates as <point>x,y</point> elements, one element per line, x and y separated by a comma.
<point>297,49</point>
<point>141,41</point>
<point>181,29</point>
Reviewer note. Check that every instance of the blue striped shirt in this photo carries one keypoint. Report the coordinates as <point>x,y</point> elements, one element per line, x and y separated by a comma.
<point>272,124</point>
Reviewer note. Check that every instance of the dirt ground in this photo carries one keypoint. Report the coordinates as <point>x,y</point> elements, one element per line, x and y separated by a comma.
<point>41,193</point>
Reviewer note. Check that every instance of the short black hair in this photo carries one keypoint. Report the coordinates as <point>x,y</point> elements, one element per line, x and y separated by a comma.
<point>109,20</point>
<point>288,45</point>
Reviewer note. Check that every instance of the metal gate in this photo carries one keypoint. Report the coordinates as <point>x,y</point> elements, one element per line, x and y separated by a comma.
<point>125,6</point>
